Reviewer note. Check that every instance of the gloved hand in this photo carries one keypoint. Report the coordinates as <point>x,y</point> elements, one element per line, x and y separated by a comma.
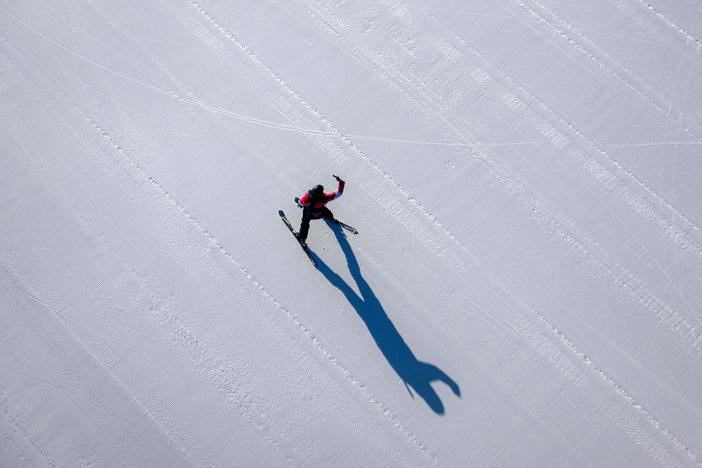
<point>338,179</point>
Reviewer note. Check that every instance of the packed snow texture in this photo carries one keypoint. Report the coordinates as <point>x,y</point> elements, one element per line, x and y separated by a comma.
<point>525,288</point>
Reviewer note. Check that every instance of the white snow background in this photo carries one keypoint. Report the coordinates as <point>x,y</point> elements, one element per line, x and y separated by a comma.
<point>525,290</point>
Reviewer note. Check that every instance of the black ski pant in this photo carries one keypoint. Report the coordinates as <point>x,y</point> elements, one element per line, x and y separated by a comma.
<point>308,215</point>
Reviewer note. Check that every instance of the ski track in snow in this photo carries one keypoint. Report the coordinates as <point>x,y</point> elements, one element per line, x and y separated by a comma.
<point>548,128</point>
<point>505,93</point>
<point>552,127</point>
<point>687,37</point>
<point>211,364</point>
<point>239,116</point>
<point>388,413</point>
<point>244,402</point>
<point>273,301</point>
<point>181,331</point>
<point>629,80</point>
<point>602,59</point>
<point>103,369</point>
<point>607,178</point>
<point>12,422</point>
<point>632,82</point>
<point>620,276</point>
<point>251,413</point>
<point>673,322</point>
<point>555,130</point>
<point>9,421</point>
<point>667,316</point>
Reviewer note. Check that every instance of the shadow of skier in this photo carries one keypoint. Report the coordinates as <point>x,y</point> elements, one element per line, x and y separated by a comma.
<point>414,373</point>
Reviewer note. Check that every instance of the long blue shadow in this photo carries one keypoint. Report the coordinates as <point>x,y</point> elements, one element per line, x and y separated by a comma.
<point>414,373</point>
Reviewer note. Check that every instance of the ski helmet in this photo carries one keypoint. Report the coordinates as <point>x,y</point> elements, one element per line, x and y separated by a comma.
<point>317,190</point>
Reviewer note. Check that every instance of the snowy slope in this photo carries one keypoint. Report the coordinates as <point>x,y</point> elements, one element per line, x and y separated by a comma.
<point>524,290</point>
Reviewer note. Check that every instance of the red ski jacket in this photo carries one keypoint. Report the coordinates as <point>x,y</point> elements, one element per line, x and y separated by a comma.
<point>317,205</point>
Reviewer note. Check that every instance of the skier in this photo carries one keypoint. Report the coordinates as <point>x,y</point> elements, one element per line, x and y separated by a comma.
<point>313,205</point>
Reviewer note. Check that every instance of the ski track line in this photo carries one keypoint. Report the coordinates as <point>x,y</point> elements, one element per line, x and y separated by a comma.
<point>618,388</point>
<point>302,325</point>
<point>614,384</point>
<point>673,321</point>
<point>247,118</point>
<point>638,434</point>
<point>655,143</point>
<point>183,333</point>
<point>625,426</point>
<point>104,68</point>
<point>665,384</point>
<point>270,298</point>
<point>175,96</point>
<point>156,89</point>
<point>684,33</point>
<point>554,129</point>
<point>389,414</point>
<point>173,430</point>
<point>236,115</point>
<point>214,109</point>
<point>550,224</point>
<point>556,137</point>
<point>107,372</point>
<point>356,44</point>
<point>261,289</point>
<point>16,444</point>
<point>602,59</point>
<point>13,419</point>
<point>227,380</point>
<point>207,364</point>
<point>609,180</point>
<point>662,107</point>
<point>605,177</point>
<point>605,377</point>
<point>525,330</point>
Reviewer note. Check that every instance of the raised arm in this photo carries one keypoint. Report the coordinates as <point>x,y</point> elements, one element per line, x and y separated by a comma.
<point>339,190</point>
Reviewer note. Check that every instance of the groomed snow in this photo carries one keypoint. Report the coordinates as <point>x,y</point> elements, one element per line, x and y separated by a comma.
<point>525,289</point>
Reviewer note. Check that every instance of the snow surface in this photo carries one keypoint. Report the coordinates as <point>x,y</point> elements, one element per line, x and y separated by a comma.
<point>525,288</point>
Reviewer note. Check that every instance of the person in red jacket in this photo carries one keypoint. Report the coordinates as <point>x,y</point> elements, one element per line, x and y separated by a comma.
<point>313,205</point>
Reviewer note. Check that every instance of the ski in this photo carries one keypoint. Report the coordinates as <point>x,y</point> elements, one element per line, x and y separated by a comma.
<point>292,230</point>
<point>351,229</point>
